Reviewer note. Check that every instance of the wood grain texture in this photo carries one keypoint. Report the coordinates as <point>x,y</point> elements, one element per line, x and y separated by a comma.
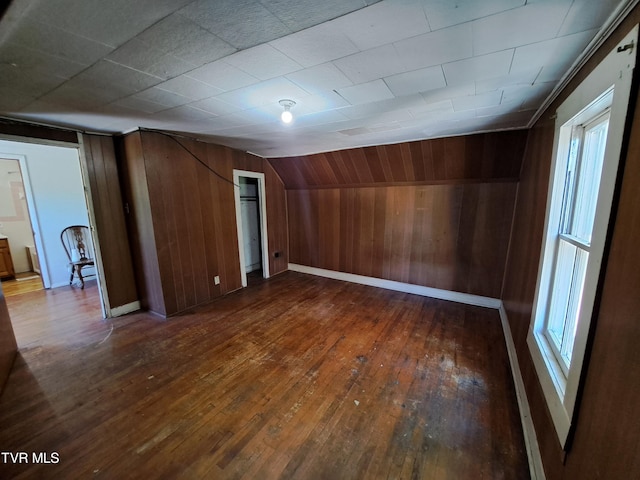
<point>605,442</point>
<point>183,194</point>
<point>24,129</point>
<point>8,346</point>
<point>110,227</point>
<point>470,158</point>
<point>139,223</point>
<point>297,377</point>
<point>453,237</point>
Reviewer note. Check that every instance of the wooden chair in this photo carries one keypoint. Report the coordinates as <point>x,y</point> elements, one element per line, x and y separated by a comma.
<point>77,244</point>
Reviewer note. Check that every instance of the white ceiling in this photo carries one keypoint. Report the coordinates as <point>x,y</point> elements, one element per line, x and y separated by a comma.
<point>362,72</point>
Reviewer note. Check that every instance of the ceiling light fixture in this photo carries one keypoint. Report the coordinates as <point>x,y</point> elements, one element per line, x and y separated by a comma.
<point>286,115</point>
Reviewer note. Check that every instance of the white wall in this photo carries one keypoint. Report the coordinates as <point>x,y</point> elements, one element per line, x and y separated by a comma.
<point>53,175</point>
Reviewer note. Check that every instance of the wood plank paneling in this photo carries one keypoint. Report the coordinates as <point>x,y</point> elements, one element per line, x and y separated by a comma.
<point>482,157</point>
<point>110,228</point>
<point>140,223</point>
<point>453,237</point>
<point>605,441</point>
<point>186,197</point>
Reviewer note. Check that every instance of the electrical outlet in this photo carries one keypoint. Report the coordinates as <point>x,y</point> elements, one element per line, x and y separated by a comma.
<point>216,280</point>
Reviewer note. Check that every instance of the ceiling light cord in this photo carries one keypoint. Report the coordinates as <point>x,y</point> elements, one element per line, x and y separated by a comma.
<point>192,154</point>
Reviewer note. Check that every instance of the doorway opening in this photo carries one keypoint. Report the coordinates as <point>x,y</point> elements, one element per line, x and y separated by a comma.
<point>251,221</point>
<point>19,262</point>
<point>49,197</point>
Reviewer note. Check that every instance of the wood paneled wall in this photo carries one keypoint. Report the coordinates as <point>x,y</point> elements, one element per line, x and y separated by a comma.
<point>106,196</point>
<point>183,218</point>
<point>433,213</point>
<point>452,237</point>
<point>8,346</point>
<point>606,441</point>
<point>486,156</point>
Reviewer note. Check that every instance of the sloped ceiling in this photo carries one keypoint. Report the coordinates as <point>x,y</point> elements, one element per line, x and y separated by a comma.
<point>361,72</point>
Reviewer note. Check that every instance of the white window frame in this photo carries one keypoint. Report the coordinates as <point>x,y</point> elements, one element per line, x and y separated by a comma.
<point>607,86</point>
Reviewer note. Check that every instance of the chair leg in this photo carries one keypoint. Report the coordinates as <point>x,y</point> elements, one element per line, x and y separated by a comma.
<point>73,271</point>
<point>80,277</point>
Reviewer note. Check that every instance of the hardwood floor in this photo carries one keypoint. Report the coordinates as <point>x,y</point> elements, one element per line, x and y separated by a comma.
<point>23,283</point>
<point>296,377</point>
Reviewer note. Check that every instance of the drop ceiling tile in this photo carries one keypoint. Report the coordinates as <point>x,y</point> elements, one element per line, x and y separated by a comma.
<point>222,75</point>
<point>446,93</point>
<point>416,81</point>
<point>58,43</point>
<point>215,106</point>
<point>526,93</point>
<point>445,13</point>
<point>37,62</point>
<point>162,97</point>
<point>141,56</point>
<point>419,111</point>
<point>587,15</point>
<point>263,62</point>
<point>522,77</point>
<point>267,92</point>
<point>537,95</point>
<point>315,45</point>
<point>478,68</point>
<point>185,40</point>
<point>550,51</point>
<point>240,23</point>
<point>113,76</point>
<point>366,92</point>
<point>319,118</point>
<point>78,95</point>
<point>183,113</point>
<point>189,87</point>
<point>139,105</point>
<point>472,102</point>
<point>383,23</point>
<point>320,78</point>
<point>28,81</point>
<point>113,26</point>
<point>319,103</point>
<point>528,24</point>
<point>552,72</point>
<point>301,14</point>
<point>371,65</point>
<point>435,48</point>
<point>504,108</point>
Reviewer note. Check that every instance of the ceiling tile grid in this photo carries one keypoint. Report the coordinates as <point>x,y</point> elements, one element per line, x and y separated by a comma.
<point>361,72</point>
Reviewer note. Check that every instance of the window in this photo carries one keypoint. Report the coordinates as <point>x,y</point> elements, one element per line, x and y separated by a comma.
<point>582,171</point>
<point>587,146</point>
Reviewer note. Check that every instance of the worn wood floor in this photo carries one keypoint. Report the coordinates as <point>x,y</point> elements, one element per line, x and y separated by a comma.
<point>23,283</point>
<point>298,377</point>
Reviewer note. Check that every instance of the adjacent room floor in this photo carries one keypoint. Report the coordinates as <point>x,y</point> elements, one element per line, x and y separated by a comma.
<point>295,377</point>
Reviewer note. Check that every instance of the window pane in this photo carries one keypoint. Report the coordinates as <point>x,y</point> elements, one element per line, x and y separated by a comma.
<point>590,170</point>
<point>570,179</point>
<point>571,265</point>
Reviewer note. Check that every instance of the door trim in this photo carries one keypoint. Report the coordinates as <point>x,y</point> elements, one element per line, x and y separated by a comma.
<point>263,221</point>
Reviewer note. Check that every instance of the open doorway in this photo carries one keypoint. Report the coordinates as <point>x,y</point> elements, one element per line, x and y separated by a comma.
<point>52,192</point>
<point>19,261</point>
<point>251,221</point>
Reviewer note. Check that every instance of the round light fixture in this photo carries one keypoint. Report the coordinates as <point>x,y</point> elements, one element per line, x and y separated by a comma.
<point>286,116</point>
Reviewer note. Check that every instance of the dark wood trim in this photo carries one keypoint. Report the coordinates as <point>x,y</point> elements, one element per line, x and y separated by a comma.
<point>41,132</point>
